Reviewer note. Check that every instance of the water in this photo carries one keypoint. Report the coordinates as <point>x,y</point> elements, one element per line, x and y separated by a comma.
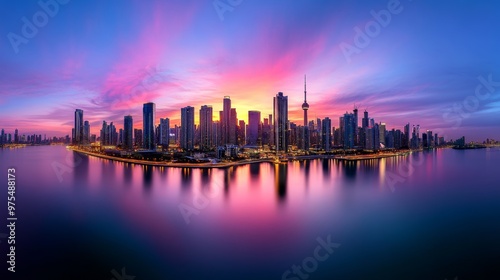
<point>430,215</point>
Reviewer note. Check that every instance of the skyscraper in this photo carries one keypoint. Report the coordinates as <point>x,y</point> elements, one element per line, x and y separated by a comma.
<point>348,131</point>
<point>233,123</point>
<point>148,125</point>
<point>253,130</point>
<point>206,127</point>
<point>241,133</point>
<point>78,132</point>
<point>305,107</point>
<point>164,133</point>
<point>382,133</point>
<point>225,120</point>
<point>128,127</point>
<point>104,131</point>
<point>187,128</point>
<point>86,132</point>
<point>326,134</point>
<point>405,141</point>
<point>138,137</point>
<point>355,120</point>
<point>280,112</point>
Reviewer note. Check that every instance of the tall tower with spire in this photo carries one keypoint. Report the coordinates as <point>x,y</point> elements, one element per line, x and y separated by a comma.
<point>305,107</point>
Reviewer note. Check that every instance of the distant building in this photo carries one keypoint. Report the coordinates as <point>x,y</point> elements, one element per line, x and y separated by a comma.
<point>326,134</point>
<point>382,133</point>
<point>187,128</point>
<point>128,127</point>
<point>405,142</point>
<point>86,132</point>
<point>233,120</point>
<point>349,129</point>
<point>206,128</point>
<point>138,137</point>
<point>164,133</point>
<point>78,128</point>
<point>280,112</point>
<point>225,119</point>
<point>148,125</point>
<point>253,130</point>
<point>241,133</point>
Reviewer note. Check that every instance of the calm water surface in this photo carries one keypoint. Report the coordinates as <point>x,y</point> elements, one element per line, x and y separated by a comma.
<point>430,215</point>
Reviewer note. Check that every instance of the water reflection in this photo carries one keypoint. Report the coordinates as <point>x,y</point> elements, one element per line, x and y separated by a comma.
<point>148,177</point>
<point>186,177</point>
<point>280,177</point>
<point>254,171</point>
<point>350,168</point>
<point>80,164</point>
<point>127,173</point>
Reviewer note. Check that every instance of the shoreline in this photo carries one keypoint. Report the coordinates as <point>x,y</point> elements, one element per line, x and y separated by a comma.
<point>239,163</point>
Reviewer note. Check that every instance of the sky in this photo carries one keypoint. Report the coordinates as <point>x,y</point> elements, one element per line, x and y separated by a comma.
<point>432,63</point>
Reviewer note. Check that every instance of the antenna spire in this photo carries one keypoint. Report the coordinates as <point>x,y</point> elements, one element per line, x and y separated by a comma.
<point>305,88</point>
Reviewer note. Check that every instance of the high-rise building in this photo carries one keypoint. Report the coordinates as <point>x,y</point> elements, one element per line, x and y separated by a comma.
<point>187,128</point>
<point>430,139</point>
<point>398,139</point>
<point>280,112</point>
<point>138,137</point>
<point>216,134</point>
<point>382,133</point>
<point>164,133</point>
<point>206,127</point>
<point>148,125</point>
<point>266,132</point>
<point>415,139</point>
<point>366,120</point>
<point>326,134</point>
<point>86,132</point>
<point>225,118</point>
<point>253,130</point>
<point>104,134</point>
<point>240,133</point>
<point>376,136</point>
<point>128,127</point>
<point>341,131</point>
<point>78,132</point>
<point>405,142</point>
<point>348,131</point>
<point>233,123</point>
<point>355,125</point>
<point>305,107</point>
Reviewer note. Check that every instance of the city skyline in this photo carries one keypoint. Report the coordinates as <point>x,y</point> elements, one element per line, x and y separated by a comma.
<point>406,72</point>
